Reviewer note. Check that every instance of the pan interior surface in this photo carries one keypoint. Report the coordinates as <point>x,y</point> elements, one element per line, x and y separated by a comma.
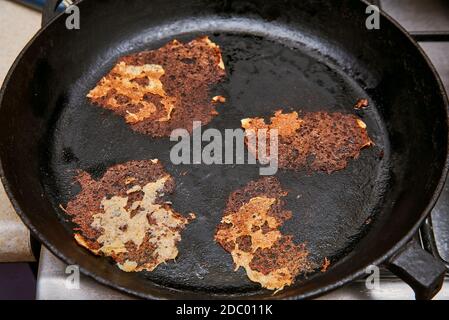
<point>267,70</point>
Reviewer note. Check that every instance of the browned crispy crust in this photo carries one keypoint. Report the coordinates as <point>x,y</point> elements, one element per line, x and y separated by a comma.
<point>161,90</point>
<point>319,141</point>
<point>134,183</point>
<point>250,231</point>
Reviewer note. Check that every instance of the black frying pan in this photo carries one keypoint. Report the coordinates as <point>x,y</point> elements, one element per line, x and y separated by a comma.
<point>296,55</point>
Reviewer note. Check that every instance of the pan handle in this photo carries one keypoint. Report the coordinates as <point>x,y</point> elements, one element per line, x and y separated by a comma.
<point>419,269</point>
<point>429,241</point>
<point>50,9</point>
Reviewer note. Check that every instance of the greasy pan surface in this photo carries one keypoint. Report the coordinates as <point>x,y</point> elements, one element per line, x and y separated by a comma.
<point>304,56</point>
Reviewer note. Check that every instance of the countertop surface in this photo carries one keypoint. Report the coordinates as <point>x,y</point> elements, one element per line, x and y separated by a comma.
<point>18,24</point>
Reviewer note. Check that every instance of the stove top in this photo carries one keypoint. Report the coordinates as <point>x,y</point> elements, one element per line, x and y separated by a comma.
<point>428,21</point>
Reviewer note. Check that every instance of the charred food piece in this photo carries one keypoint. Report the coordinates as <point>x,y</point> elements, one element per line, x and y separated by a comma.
<point>123,215</point>
<point>161,90</point>
<point>361,103</point>
<point>319,141</point>
<point>249,231</point>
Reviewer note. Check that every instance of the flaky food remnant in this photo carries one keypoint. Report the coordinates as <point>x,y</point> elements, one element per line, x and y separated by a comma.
<point>362,103</point>
<point>220,99</point>
<point>319,141</point>
<point>249,231</point>
<point>123,215</point>
<point>161,90</point>
<point>326,264</point>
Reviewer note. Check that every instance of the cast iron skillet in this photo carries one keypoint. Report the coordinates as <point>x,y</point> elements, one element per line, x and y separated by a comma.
<point>296,55</point>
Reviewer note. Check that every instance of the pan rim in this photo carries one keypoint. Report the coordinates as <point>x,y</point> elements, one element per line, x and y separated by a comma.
<point>311,294</point>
